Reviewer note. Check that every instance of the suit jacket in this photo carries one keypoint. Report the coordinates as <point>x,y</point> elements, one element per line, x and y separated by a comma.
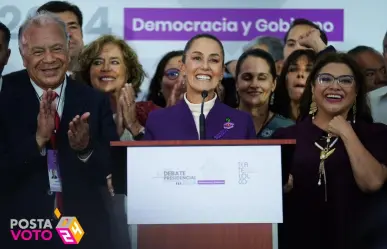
<point>177,123</point>
<point>12,79</point>
<point>372,229</point>
<point>25,185</point>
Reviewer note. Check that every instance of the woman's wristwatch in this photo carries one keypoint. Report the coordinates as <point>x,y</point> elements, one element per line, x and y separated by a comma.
<point>140,135</point>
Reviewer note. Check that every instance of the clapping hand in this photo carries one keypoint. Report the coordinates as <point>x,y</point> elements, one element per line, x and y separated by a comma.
<point>119,119</point>
<point>127,103</point>
<point>177,93</point>
<point>289,185</point>
<point>312,40</point>
<point>78,133</point>
<point>109,183</point>
<point>46,118</point>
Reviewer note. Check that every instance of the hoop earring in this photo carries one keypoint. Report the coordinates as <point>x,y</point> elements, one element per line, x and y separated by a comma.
<point>272,99</point>
<point>313,109</point>
<point>354,110</point>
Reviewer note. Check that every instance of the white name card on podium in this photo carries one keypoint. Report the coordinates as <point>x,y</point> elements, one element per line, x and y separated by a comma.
<point>204,184</point>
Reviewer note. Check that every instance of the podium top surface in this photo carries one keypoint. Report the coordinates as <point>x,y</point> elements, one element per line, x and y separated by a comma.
<point>202,142</point>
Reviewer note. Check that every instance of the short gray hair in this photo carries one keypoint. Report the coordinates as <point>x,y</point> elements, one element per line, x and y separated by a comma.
<point>40,19</point>
<point>275,46</point>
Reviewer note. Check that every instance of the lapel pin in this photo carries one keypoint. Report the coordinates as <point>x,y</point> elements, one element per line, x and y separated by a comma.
<point>228,125</point>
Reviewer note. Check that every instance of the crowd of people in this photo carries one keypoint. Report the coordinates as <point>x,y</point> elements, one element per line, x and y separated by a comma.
<point>71,100</point>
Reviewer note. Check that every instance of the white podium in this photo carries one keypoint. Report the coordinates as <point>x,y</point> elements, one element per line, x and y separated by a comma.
<point>204,194</point>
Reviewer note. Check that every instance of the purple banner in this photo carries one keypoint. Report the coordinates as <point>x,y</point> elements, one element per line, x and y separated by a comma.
<point>226,24</point>
<point>211,181</point>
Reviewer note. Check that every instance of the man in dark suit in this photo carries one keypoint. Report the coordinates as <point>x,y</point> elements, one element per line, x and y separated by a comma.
<point>5,52</point>
<point>49,112</point>
<point>372,226</point>
<point>72,16</point>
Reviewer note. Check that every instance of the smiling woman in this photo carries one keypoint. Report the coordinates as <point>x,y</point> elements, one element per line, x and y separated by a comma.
<point>256,81</point>
<point>339,164</point>
<point>107,64</point>
<point>202,67</point>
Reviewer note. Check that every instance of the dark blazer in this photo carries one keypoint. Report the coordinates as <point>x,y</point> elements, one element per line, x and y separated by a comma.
<point>12,79</point>
<point>177,123</point>
<point>24,187</point>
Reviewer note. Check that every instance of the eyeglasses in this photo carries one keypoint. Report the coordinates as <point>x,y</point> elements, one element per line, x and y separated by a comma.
<point>326,79</point>
<point>172,73</point>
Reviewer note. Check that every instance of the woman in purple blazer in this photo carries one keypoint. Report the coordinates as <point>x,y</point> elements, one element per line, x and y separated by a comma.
<point>203,68</point>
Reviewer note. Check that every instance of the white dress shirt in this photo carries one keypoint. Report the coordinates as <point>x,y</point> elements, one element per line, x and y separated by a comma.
<point>196,110</point>
<point>378,104</point>
<point>60,100</point>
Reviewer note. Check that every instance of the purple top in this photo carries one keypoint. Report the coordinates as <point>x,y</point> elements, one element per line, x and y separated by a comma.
<point>177,123</point>
<point>310,221</point>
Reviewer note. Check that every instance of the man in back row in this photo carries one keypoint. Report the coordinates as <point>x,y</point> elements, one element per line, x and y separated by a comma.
<point>5,52</point>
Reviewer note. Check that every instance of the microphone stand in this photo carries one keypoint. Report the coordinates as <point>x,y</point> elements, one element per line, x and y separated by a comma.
<point>202,119</point>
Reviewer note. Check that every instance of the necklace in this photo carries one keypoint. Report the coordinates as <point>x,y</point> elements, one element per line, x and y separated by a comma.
<point>267,118</point>
<point>326,152</point>
<point>264,123</point>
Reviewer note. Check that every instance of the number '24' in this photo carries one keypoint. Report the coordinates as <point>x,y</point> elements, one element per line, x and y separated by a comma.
<point>97,25</point>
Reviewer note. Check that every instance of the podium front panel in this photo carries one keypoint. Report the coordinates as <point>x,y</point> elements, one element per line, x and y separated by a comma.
<point>203,236</point>
<point>204,185</point>
<point>207,236</point>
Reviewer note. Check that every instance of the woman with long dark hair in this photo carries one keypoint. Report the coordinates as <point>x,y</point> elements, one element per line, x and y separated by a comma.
<point>256,81</point>
<point>167,75</point>
<point>292,82</point>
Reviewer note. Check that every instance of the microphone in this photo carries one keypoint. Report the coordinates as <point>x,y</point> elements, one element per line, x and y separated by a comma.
<point>202,119</point>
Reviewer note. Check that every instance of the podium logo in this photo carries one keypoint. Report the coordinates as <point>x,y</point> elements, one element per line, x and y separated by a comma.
<point>243,172</point>
<point>179,177</point>
<point>69,229</point>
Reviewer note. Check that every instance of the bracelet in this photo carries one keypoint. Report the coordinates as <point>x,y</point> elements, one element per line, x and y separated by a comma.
<point>142,130</point>
<point>140,135</point>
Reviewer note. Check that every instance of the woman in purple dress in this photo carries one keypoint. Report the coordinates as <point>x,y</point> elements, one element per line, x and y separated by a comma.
<point>339,163</point>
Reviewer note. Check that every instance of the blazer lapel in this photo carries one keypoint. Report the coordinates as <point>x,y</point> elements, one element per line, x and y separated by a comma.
<point>187,121</point>
<point>29,103</point>
<point>72,106</point>
<point>215,120</point>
